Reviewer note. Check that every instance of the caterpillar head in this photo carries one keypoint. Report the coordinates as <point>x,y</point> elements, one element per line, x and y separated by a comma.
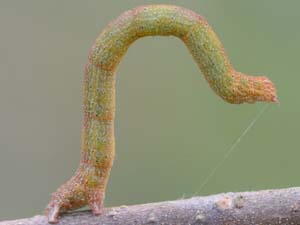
<point>250,89</point>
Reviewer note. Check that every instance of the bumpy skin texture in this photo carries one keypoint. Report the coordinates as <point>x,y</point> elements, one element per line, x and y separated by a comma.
<point>88,184</point>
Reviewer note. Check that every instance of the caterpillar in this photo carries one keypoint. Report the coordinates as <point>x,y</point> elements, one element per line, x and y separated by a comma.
<point>87,186</point>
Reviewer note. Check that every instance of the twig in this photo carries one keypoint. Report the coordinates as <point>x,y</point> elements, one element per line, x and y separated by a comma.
<point>268,207</point>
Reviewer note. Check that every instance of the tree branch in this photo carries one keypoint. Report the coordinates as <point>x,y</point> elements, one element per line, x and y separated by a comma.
<point>245,208</point>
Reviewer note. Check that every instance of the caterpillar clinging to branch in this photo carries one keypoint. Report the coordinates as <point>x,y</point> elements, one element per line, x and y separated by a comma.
<point>89,183</point>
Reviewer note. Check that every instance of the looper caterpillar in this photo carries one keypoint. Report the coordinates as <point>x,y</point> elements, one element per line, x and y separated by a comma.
<point>88,184</point>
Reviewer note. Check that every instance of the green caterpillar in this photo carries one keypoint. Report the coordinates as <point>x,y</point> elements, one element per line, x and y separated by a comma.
<point>88,185</point>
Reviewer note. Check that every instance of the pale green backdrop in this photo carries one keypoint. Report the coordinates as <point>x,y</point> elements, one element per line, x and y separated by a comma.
<point>171,129</point>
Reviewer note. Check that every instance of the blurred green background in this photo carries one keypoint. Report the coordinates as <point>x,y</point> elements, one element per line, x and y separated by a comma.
<point>171,129</point>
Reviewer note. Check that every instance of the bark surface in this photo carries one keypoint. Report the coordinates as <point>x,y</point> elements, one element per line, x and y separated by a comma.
<point>265,207</point>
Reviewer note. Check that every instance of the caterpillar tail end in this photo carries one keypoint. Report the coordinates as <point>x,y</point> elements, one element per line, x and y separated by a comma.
<point>251,89</point>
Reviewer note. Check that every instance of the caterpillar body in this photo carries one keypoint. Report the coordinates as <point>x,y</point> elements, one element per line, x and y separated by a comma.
<point>87,186</point>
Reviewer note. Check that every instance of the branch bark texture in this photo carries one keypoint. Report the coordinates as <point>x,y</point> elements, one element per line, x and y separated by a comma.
<point>267,207</point>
